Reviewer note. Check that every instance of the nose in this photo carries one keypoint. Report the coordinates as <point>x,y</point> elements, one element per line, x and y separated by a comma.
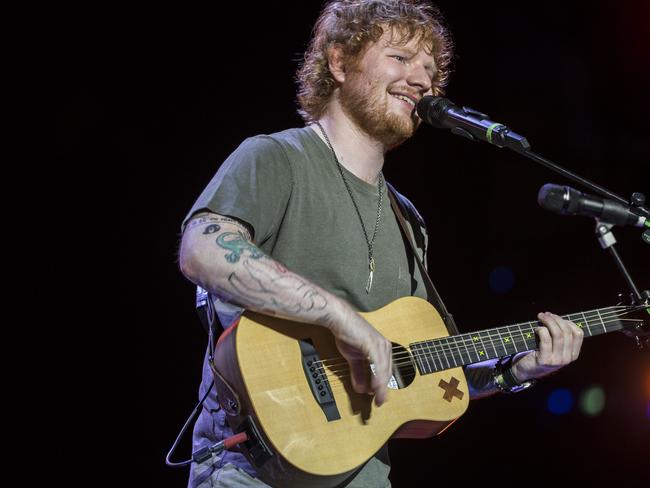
<point>419,77</point>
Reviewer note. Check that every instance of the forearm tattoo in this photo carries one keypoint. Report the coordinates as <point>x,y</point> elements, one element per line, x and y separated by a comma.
<point>270,286</point>
<point>257,281</point>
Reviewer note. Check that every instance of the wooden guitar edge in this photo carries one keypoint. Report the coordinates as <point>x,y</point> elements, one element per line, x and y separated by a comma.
<point>276,471</point>
<point>422,429</point>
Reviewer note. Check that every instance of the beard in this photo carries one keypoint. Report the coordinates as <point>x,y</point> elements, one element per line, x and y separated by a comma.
<point>368,108</point>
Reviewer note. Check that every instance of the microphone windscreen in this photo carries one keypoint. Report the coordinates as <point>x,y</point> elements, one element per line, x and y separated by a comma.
<point>569,201</point>
<point>552,197</point>
<point>432,109</point>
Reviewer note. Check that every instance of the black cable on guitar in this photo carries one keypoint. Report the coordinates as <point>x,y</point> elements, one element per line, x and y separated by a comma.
<point>202,454</point>
<point>195,455</point>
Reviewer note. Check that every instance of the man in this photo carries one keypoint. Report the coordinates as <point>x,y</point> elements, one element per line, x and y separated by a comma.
<point>298,224</point>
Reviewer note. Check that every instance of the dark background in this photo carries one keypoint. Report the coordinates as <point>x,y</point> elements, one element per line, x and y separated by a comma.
<point>124,114</point>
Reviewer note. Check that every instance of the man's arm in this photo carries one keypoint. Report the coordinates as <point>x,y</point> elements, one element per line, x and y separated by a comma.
<point>480,379</point>
<point>560,341</point>
<point>218,254</point>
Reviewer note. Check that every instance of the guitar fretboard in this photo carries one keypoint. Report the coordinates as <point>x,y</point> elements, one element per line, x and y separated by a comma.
<point>454,351</point>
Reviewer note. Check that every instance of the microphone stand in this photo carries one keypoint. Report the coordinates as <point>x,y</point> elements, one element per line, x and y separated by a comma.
<point>607,240</point>
<point>603,229</point>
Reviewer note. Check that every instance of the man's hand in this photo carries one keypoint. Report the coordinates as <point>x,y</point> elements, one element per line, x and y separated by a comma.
<point>361,344</point>
<point>559,344</point>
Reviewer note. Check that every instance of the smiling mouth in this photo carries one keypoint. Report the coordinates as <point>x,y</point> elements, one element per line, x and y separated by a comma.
<point>404,99</point>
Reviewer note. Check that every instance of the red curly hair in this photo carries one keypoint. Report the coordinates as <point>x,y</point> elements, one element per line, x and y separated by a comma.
<point>352,25</point>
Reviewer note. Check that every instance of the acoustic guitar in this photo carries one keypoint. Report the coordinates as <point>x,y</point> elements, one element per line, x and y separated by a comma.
<point>285,384</point>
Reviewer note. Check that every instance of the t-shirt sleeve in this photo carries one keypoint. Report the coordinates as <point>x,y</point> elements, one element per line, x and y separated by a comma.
<point>253,185</point>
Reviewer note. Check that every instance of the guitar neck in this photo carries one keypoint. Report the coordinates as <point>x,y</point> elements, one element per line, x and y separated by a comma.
<point>459,350</point>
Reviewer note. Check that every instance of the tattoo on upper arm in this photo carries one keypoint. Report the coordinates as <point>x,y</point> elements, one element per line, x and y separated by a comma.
<point>213,222</point>
<point>200,220</point>
<point>236,243</point>
<point>260,282</point>
<point>211,229</point>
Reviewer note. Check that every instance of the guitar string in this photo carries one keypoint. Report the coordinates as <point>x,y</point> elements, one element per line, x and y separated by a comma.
<point>457,350</point>
<point>491,336</point>
<point>467,340</point>
<point>449,354</point>
<point>343,367</point>
<point>344,377</point>
<point>344,374</point>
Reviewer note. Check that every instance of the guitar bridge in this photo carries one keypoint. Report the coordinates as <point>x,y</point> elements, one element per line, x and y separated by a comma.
<point>317,379</point>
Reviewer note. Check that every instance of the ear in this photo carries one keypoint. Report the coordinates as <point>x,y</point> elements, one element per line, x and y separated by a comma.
<point>336,62</point>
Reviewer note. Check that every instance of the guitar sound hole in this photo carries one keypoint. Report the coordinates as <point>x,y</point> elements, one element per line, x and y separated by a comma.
<point>403,367</point>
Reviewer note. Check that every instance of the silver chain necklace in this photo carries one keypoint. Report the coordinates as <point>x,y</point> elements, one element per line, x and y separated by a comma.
<point>380,186</point>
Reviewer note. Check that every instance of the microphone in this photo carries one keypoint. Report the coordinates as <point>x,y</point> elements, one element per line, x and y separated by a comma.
<point>569,201</point>
<point>469,123</point>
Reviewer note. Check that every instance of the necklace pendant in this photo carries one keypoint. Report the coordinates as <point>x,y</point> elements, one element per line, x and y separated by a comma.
<point>371,268</point>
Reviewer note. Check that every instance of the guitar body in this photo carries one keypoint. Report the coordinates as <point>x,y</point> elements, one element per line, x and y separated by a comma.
<point>265,386</point>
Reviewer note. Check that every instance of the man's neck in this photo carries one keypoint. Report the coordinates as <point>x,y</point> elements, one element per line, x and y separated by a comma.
<point>357,152</point>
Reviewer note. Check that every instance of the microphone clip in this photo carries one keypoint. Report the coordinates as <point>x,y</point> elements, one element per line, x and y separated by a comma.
<point>459,131</point>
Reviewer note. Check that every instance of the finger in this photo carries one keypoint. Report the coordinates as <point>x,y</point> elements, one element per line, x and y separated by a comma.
<point>380,391</point>
<point>578,343</point>
<point>545,353</point>
<point>578,337</point>
<point>383,370</point>
<point>569,339</point>
<point>572,340</point>
<point>564,326</point>
<point>379,384</point>
<point>359,375</point>
<point>557,336</point>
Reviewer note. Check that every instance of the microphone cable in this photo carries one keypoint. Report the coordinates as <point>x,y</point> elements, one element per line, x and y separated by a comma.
<point>206,452</point>
<point>195,455</point>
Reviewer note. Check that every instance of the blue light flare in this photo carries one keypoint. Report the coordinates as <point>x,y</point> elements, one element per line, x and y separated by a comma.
<point>560,401</point>
<point>501,279</point>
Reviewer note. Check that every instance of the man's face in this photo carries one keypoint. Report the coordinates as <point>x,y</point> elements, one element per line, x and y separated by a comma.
<point>381,90</point>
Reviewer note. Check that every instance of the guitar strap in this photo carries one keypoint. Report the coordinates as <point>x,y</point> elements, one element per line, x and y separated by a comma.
<point>397,203</point>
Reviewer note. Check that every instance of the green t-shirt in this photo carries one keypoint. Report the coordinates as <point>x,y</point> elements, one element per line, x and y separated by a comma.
<point>287,188</point>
